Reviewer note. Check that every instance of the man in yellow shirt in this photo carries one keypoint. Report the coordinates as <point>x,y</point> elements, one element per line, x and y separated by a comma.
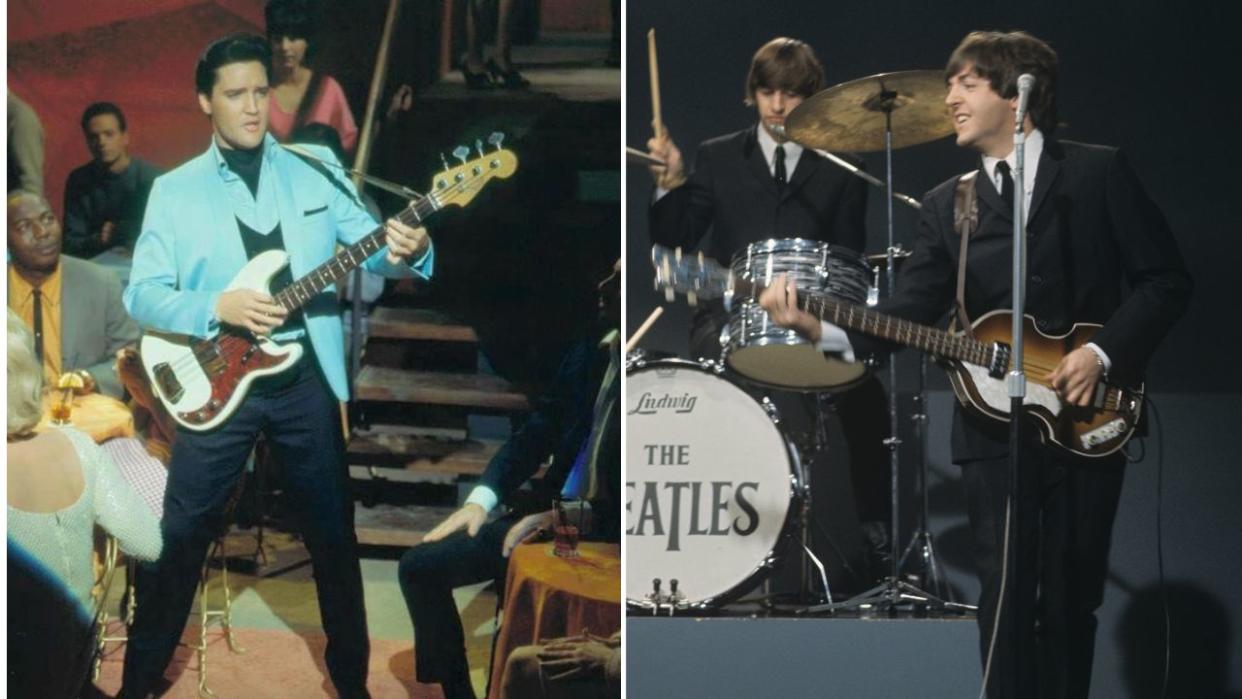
<point>72,306</point>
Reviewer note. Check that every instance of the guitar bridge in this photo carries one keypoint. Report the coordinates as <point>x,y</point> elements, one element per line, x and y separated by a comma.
<point>1000,360</point>
<point>169,386</point>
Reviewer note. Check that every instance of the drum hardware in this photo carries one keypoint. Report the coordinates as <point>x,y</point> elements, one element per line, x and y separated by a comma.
<point>773,356</point>
<point>672,600</point>
<point>858,116</point>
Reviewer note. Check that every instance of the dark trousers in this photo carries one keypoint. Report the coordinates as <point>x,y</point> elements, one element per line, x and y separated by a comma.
<point>428,574</point>
<point>300,416</point>
<point>1056,579</point>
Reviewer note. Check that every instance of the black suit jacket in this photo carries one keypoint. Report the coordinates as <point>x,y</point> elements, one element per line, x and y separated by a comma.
<point>557,426</point>
<point>1099,251</point>
<point>731,193</point>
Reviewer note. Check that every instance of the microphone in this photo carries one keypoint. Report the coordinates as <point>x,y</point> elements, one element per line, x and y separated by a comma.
<point>1026,81</point>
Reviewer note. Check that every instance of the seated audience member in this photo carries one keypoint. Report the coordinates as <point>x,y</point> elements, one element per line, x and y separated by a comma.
<point>577,422</point>
<point>106,198</point>
<point>72,306</point>
<point>60,485</point>
<point>577,666</point>
<point>300,94</point>
<point>25,147</point>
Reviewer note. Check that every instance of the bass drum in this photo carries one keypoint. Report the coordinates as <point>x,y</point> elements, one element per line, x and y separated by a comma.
<point>711,486</point>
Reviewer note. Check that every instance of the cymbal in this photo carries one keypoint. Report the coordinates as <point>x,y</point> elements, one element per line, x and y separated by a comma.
<point>850,116</point>
<point>637,157</point>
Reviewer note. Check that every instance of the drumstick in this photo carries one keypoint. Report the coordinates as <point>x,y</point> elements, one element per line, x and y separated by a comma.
<point>642,329</point>
<point>653,65</point>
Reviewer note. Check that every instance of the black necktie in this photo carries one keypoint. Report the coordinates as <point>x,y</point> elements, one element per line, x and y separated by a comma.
<point>780,166</point>
<point>38,324</point>
<point>1006,183</point>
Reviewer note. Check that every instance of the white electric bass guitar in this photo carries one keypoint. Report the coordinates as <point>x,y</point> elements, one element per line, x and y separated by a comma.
<point>202,381</point>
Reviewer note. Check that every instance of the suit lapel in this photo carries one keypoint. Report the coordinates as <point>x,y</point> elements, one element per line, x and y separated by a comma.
<point>808,165</point>
<point>755,162</point>
<point>1047,174</point>
<point>71,301</point>
<point>989,196</point>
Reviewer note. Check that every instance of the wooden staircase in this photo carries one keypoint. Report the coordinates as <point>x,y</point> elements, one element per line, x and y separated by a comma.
<point>389,447</point>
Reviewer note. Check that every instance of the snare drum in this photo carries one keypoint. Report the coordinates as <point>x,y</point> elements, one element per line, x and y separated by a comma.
<point>776,356</point>
<point>711,486</point>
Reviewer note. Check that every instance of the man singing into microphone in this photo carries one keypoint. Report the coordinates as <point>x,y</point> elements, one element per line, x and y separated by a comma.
<point>1090,229</point>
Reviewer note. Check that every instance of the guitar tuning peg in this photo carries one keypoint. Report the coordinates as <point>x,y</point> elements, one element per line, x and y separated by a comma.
<point>444,161</point>
<point>461,153</point>
<point>692,298</point>
<point>496,139</point>
<point>669,295</point>
<point>478,146</point>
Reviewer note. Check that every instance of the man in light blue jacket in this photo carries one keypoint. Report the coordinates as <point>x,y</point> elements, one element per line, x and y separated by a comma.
<point>244,196</point>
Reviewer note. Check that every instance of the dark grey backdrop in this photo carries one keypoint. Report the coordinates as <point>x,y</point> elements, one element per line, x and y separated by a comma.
<point>1159,80</point>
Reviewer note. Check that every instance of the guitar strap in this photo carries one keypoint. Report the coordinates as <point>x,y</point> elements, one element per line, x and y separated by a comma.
<point>965,221</point>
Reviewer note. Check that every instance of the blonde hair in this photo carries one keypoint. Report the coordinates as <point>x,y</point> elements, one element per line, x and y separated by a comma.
<point>25,379</point>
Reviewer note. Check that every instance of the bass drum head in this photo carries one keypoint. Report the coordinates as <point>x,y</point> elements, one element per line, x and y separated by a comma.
<point>709,485</point>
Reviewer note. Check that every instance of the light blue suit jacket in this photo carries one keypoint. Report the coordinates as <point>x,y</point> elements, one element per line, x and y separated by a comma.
<point>190,247</point>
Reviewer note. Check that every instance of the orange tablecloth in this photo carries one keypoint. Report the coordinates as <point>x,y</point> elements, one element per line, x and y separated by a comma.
<point>102,417</point>
<point>548,597</point>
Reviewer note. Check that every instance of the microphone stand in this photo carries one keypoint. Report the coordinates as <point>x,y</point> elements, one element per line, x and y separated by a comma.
<point>1015,381</point>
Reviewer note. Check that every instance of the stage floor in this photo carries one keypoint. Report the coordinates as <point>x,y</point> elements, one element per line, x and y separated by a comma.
<point>857,658</point>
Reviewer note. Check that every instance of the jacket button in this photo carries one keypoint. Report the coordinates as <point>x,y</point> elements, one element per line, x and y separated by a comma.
<point>1038,279</point>
<point>1041,324</point>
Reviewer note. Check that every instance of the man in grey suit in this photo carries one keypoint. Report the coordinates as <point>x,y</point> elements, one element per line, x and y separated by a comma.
<point>73,306</point>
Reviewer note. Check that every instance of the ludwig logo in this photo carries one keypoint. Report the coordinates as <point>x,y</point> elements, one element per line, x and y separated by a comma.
<point>650,404</point>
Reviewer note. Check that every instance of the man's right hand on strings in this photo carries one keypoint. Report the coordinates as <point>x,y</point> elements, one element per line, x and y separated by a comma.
<point>250,309</point>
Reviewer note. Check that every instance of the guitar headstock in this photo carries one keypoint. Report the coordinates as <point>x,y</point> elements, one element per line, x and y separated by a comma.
<point>693,275</point>
<point>458,184</point>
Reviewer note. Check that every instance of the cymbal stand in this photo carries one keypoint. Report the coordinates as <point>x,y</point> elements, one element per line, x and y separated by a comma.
<point>893,591</point>
<point>922,543</point>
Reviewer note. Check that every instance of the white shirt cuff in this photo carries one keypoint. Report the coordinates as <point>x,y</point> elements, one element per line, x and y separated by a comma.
<point>833,339</point>
<point>1108,363</point>
<point>484,497</point>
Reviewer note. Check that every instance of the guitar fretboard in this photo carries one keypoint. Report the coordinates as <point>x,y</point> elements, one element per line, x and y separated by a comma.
<point>296,295</point>
<point>886,327</point>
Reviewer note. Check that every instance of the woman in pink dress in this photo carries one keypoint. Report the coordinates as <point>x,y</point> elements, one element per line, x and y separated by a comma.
<point>300,94</point>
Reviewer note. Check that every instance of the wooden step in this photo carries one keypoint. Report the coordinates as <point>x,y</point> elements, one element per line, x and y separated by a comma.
<point>396,447</point>
<point>396,525</point>
<point>437,388</point>
<point>418,324</point>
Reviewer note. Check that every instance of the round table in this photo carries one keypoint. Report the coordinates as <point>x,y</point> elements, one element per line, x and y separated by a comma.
<point>102,417</point>
<point>549,597</point>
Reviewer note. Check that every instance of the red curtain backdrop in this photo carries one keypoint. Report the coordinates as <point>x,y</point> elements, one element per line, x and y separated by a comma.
<point>140,54</point>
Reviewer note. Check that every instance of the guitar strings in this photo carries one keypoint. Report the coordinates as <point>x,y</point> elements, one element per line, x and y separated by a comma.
<point>229,354</point>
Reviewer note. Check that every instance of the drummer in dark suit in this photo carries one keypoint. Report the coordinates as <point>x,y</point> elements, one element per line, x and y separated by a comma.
<point>754,185</point>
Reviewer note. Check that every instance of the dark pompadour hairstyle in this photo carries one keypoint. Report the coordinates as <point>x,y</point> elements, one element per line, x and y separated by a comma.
<point>784,64</point>
<point>99,108</point>
<point>234,48</point>
<point>1000,57</point>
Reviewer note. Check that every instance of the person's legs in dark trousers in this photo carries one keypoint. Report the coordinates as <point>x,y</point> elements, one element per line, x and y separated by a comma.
<point>304,428</point>
<point>986,482</point>
<point>863,411</point>
<point>428,573</point>
<point>1080,504</point>
<point>202,474</point>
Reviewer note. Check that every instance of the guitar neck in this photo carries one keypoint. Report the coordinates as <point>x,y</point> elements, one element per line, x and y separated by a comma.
<point>349,258</point>
<point>864,320</point>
